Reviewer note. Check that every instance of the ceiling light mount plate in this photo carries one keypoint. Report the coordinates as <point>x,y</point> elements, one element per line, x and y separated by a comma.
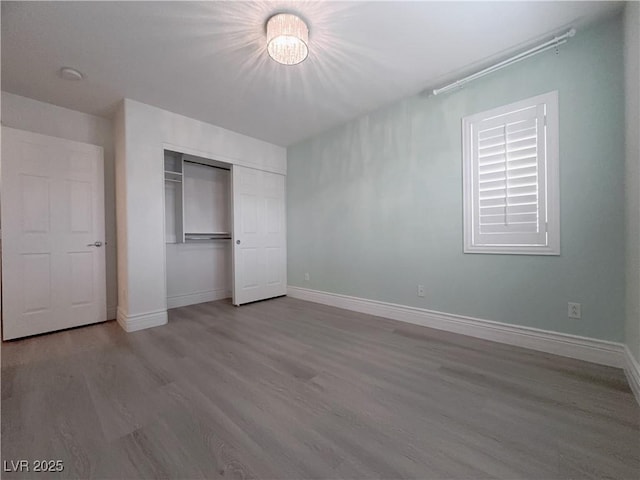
<point>69,73</point>
<point>287,38</point>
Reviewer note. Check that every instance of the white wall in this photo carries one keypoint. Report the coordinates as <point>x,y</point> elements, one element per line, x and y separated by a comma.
<point>147,131</point>
<point>207,204</point>
<point>198,272</point>
<point>39,117</point>
<point>632,176</point>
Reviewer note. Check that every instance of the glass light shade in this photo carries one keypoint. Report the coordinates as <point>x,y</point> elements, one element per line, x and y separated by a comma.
<point>287,39</point>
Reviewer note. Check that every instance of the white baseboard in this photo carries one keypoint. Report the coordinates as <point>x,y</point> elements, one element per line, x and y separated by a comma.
<point>112,312</point>
<point>572,346</point>
<point>194,298</point>
<point>632,370</point>
<point>133,323</point>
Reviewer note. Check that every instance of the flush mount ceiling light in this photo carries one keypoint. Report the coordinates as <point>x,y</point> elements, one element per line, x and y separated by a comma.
<point>287,38</point>
<point>69,73</point>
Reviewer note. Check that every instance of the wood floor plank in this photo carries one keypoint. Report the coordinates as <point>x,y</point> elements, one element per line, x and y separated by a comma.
<point>291,389</point>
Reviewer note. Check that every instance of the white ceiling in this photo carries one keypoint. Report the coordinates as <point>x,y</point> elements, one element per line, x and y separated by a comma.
<point>207,60</point>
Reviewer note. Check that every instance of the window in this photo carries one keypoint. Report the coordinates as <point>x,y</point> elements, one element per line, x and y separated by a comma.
<point>510,161</point>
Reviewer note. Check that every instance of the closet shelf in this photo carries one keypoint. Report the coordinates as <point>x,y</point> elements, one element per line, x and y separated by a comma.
<point>208,236</point>
<point>171,176</point>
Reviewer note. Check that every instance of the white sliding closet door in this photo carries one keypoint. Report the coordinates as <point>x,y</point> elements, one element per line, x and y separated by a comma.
<point>259,235</point>
<point>53,263</point>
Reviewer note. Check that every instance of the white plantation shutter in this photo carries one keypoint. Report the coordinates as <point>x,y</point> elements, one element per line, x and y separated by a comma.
<point>510,170</point>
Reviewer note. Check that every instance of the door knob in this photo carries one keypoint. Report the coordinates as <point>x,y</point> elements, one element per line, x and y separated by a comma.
<point>237,242</point>
<point>94,244</point>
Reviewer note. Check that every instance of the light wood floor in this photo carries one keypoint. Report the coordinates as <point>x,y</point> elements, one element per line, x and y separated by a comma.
<point>290,389</point>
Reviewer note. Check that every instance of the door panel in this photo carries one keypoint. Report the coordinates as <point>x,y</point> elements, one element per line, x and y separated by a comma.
<point>36,282</point>
<point>250,268</point>
<point>35,204</point>
<point>249,214</point>
<point>81,206</point>
<point>274,264</point>
<point>81,264</point>
<point>259,236</point>
<point>53,275</point>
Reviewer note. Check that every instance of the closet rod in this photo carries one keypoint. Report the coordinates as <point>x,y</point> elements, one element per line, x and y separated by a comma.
<point>206,165</point>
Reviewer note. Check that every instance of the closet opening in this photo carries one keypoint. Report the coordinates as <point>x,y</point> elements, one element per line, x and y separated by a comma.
<point>198,229</point>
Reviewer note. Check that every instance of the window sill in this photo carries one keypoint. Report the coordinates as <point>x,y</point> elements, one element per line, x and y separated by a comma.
<point>512,250</point>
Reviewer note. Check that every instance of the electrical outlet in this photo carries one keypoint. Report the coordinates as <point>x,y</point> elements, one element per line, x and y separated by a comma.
<point>307,277</point>
<point>575,310</point>
<point>421,290</point>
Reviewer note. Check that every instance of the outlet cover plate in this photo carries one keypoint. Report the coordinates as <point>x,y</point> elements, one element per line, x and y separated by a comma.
<point>575,310</point>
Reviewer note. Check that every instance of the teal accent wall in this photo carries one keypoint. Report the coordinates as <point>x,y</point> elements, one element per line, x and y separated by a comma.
<point>632,174</point>
<point>374,207</point>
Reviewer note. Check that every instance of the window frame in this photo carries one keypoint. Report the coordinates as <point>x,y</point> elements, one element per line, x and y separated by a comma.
<point>552,179</point>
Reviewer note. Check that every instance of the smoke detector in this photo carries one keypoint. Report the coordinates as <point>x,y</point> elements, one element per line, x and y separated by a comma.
<point>69,73</point>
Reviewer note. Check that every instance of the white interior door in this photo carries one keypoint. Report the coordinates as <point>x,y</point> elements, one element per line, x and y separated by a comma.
<point>53,258</point>
<point>259,235</point>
